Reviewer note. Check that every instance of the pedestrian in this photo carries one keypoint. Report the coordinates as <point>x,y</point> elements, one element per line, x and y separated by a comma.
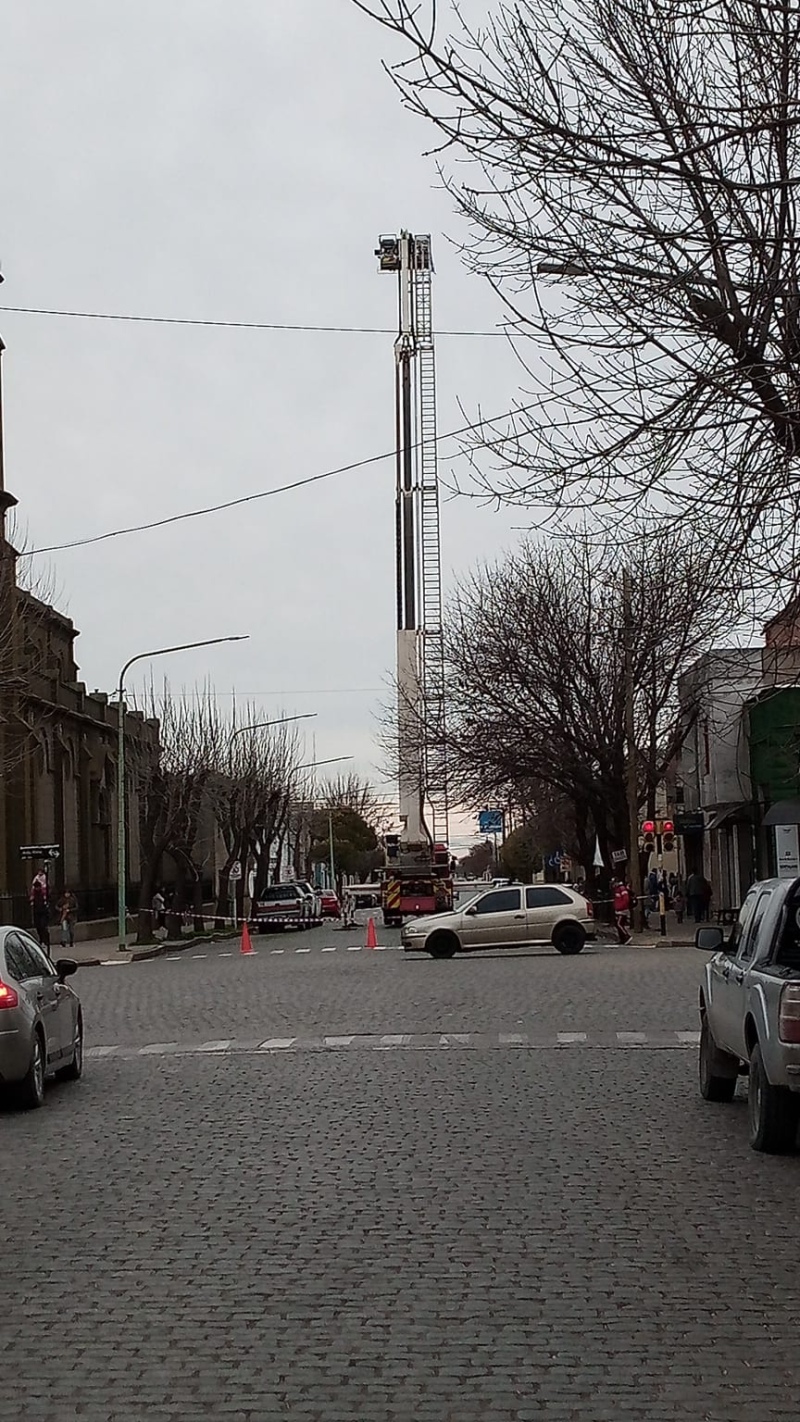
<point>708,893</point>
<point>695,896</point>
<point>67,910</point>
<point>678,902</point>
<point>622,911</point>
<point>157,909</point>
<point>40,908</point>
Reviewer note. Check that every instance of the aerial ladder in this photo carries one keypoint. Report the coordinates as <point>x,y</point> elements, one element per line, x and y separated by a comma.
<point>417,878</point>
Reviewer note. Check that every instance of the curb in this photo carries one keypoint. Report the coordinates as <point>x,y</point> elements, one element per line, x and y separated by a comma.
<point>178,945</point>
<point>157,950</point>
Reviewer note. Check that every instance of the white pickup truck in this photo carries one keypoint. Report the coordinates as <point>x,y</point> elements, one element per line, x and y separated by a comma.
<point>750,1012</point>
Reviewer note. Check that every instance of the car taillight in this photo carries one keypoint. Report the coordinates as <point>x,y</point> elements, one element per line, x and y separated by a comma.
<point>589,909</point>
<point>789,1014</point>
<point>8,996</point>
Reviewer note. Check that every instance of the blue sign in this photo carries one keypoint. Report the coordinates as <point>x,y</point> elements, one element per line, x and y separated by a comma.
<point>490,822</point>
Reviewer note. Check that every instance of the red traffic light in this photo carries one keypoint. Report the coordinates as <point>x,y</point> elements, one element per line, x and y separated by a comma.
<point>668,827</point>
<point>648,827</point>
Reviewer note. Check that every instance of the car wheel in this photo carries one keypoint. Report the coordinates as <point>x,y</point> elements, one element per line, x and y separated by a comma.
<point>773,1111</point>
<point>74,1071</point>
<point>717,1069</point>
<point>442,945</point>
<point>30,1091</point>
<point>569,938</point>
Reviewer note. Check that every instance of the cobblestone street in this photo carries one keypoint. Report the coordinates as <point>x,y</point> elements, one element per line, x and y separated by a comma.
<point>354,1187</point>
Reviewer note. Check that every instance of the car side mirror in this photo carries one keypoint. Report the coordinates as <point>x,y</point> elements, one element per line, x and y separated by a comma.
<point>710,940</point>
<point>65,967</point>
<point>470,912</point>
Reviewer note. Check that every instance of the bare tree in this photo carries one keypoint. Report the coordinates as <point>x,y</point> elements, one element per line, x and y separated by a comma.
<point>641,156</point>
<point>253,788</point>
<point>172,790</point>
<point>536,684</point>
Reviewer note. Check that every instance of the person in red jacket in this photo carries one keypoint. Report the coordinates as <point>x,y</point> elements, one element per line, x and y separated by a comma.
<point>622,911</point>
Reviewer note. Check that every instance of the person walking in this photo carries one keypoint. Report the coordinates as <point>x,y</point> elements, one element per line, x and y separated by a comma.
<point>695,896</point>
<point>622,911</point>
<point>678,902</point>
<point>158,910</point>
<point>67,912</point>
<point>40,908</point>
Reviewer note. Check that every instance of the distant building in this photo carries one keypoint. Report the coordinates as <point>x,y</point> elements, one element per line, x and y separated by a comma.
<point>739,762</point>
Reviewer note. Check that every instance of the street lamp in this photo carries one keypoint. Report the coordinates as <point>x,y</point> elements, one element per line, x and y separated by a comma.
<point>260,725</point>
<point>311,765</point>
<point>121,787</point>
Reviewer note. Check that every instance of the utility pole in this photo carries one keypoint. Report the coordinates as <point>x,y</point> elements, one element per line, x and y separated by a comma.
<point>634,864</point>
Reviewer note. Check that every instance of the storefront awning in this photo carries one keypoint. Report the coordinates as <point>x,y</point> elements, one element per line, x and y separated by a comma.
<point>723,814</point>
<point>786,812</point>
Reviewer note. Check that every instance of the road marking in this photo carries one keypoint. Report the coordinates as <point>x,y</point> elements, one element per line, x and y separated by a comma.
<point>114,962</point>
<point>199,955</point>
<point>226,955</point>
<point>673,1040</point>
<point>356,949</point>
<point>330,950</point>
<point>277,951</point>
<point>174,958</point>
<point>302,950</point>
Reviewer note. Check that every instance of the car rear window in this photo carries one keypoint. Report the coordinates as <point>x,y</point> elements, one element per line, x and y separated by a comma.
<point>277,892</point>
<point>546,897</point>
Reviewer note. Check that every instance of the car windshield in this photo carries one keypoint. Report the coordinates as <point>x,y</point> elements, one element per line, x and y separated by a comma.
<point>278,891</point>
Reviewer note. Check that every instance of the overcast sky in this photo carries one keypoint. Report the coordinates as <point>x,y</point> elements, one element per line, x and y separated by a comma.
<point>233,161</point>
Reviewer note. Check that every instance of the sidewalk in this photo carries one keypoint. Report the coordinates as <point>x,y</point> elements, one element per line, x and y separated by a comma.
<point>94,953</point>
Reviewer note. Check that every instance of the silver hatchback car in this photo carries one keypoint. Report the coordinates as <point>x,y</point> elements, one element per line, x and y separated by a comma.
<point>41,1024</point>
<point>509,917</point>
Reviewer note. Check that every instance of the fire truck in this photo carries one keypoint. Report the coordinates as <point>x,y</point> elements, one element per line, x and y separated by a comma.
<point>416,880</point>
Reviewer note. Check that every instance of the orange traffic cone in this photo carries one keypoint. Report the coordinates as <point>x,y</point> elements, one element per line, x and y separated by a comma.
<point>372,937</point>
<point>247,946</point>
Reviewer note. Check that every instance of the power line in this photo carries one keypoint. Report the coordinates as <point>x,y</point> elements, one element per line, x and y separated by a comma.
<point>261,494</point>
<point>228,325</point>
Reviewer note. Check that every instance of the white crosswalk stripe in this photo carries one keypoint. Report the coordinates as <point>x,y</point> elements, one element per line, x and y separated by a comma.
<point>666,1040</point>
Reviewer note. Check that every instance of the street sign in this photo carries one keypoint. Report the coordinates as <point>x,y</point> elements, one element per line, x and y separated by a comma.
<point>39,851</point>
<point>618,856</point>
<point>235,871</point>
<point>490,822</point>
<point>690,822</point>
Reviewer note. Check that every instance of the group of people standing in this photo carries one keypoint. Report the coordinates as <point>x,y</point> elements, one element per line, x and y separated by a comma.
<point>41,911</point>
<point>694,899</point>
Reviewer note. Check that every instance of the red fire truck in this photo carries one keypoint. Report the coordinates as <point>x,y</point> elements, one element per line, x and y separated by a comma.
<point>415,881</point>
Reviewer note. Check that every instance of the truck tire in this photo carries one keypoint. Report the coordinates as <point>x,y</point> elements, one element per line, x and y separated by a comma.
<point>442,945</point>
<point>773,1111</point>
<point>717,1070</point>
<point>569,939</point>
<point>389,921</point>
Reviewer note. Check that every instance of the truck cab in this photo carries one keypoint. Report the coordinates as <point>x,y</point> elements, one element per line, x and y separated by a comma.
<point>750,1011</point>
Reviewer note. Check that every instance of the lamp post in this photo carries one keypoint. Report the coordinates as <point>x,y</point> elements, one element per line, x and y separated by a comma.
<point>311,765</point>
<point>121,786</point>
<point>260,725</point>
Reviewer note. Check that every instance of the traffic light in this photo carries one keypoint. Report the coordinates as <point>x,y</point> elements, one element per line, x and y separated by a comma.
<point>668,836</point>
<point>648,836</point>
